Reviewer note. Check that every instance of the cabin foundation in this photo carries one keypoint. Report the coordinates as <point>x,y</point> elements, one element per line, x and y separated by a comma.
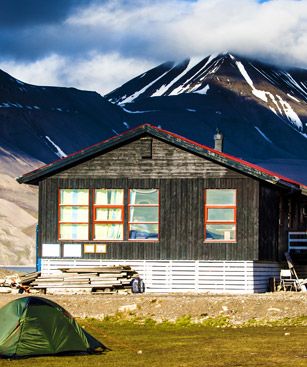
<point>166,276</point>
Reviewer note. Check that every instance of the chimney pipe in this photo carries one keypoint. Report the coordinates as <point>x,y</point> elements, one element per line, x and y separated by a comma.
<point>218,140</point>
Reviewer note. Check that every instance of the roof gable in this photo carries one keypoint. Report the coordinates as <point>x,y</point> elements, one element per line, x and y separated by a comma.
<point>227,160</point>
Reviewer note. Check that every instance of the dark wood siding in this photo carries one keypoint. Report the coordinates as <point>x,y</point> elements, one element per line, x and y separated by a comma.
<point>280,211</point>
<point>167,161</point>
<point>181,218</point>
<point>269,209</point>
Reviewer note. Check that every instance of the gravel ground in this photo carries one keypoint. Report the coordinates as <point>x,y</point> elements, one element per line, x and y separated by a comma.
<point>239,308</point>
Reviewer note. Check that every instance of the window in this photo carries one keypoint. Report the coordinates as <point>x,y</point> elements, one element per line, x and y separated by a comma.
<point>73,214</point>
<point>143,214</point>
<point>220,215</point>
<point>109,214</point>
<point>108,221</point>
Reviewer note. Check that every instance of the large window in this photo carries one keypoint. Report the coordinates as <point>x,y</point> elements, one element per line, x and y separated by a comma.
<point>143,214</point>
<point>73,214</point>
<point>116,215</point>
<point>109,214</point>
<point>220,215</point>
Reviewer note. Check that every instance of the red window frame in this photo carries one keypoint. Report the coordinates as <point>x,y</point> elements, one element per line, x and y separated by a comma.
<point>143,206</point>
<point>220,206</point>
<point>65,222</point>
<point>106,206</point>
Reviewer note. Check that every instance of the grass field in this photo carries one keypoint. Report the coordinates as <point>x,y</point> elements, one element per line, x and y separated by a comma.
<point>184,344</point>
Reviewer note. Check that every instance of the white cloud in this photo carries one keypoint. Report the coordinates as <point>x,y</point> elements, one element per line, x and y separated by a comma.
<point>101,73</point>
<point>116,40</point>
<point>175,28</point>
<point>41,72</point>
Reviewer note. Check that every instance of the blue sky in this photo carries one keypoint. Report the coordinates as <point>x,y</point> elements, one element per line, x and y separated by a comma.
<point>100,44</point>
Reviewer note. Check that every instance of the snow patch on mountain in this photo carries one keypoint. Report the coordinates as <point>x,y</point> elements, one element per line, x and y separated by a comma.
<point>284,108</point>
<point>275,102</point>
<point>165,87</point>
<point>59,152</point>
<point>264,74</point>
<point>258,93</point>
<point>141,91</point>
<point>290,113</point>
<point>263,135</point>
<point>203,90</point>
<point>189,85</point>
<point>273,110</point>
<point>129,111</point>
<point>294,99</point>
<point>296,85</point>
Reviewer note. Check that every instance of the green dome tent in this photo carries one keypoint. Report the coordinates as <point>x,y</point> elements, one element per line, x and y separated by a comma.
<point>32,326</point>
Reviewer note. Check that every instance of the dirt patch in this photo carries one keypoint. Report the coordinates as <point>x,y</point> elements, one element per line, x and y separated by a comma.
<point>238,308</point>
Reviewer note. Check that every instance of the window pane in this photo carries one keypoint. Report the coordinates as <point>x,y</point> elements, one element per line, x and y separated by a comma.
<point>108,231</point>
<point>144,214</point>
<point>144,196</point>
<point>105,214</point>
<point>223,232</point>
<point>74,214</point>
<point>220,197</point>
<point>74,231</point>
<point>74,196</point>
<point>227,215</point>
<point>143,231</point>
<point>109,196</point>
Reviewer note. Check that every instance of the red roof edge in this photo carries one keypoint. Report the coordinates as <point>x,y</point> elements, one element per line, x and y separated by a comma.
<point>233,158</point>
<point>147,127</point>
<point>114,137</point>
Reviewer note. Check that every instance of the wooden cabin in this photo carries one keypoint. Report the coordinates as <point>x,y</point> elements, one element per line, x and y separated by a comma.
<point>187,217</point>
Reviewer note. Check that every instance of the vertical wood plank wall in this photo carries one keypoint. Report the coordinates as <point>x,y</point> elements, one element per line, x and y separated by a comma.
<point>269,222</point>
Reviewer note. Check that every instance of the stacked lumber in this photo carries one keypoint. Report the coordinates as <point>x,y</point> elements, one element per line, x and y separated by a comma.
<point>28,278</point>
<point>78,280</point>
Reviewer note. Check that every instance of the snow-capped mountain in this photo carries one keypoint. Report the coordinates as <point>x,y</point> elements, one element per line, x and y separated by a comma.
<point>261,109</point>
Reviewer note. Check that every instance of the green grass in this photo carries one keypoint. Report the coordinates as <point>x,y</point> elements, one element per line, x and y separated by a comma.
<point>185,344</point>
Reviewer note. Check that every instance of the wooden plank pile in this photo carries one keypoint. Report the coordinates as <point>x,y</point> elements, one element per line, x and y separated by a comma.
<point>28,278</point>
<point>104,279</point>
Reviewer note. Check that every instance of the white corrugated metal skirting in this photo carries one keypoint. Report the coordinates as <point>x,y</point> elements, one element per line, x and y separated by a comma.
<point>189,275</point>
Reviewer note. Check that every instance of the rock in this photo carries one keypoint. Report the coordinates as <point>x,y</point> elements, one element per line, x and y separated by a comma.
<point>274,309</point>
<point>5,290</point>
<point>128,308</point>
